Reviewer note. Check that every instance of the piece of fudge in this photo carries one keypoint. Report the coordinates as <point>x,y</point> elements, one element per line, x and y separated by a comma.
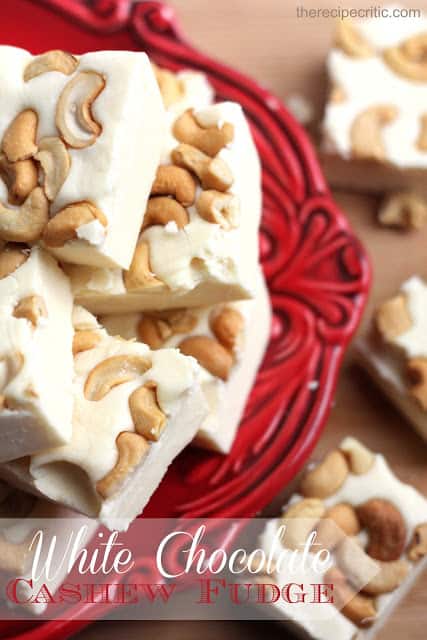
<point>135,410</point>
<point>21,517</point>
<point>228,341</point>
<point>375,123</point>
<point>92,126</point>
<point>36,364</point>
<point>199,240</point>
<point>394,351</point>
<point>375,528</point>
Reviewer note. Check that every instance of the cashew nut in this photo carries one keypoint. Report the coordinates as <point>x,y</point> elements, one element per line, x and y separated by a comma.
<point>19,140</point>
<point>300,520</point>
<point>359,458</point>
<point>112,372</point>
<point>56,162</point>
<point>176,182</point>
<point>20,178</point>
<point>210,140</point>
<point>32,308</point>
<point>84,340</point>
<point>355,606</point>
<point>350,40</point>
<point>339,521</point>
<point>365,133</point>
<point>326,478</point>
<point>11,259</point>
<point>386,527</point>
<point>153,331</point>
<point>64,225</point>
<point>405,210</point>
<point>209,353</point>
<point>131,450</point>
<point>418,546</point>
<point>74,118</point>
<point>213,173</point>
<point>148,419</point>
<point>170,86</point>
<point>422,136</point>
<point>392,318</point>
<point>26,223</point>
<point>162,210</point>
<point>368,575</point>
<point>219,208</point>
<point>408,59</point>
<point>227,326</point>
<point>179,320</point>
<point>55,60</point>
<point>139,275</point>
<point>417,374</point>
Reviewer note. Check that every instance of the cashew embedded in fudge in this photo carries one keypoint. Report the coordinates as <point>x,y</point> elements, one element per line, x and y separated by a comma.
<point>139,274</point>
<point>300,519</point>
<point>366,132</point>
<point>27,222</point>
<point>392,318</point>
<point>386,527</point>
<point>358,608</point>
<point>19,177</point>
<point>19,140</point>
<point>64,225</point>
<point>148,419</point>
<point>213,173</point>
<point>218,208</point>
<point>209,353</point>
<point>176,182</point>
<point>408,59</point>
<point>210,140</point>
<point>54,60</point>
<point>227,326</point>
<point>131,450</point>
<point>32,308</point>
<point>112,372</point>
<point>349,39</point>
<point>56,163</point>
<point>74,119</point>
<point>171,87</point>
<point>161,210</point>
<point>11,258</point>
<point>326,478</point>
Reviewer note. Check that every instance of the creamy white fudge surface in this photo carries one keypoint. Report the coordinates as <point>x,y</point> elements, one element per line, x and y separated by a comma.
<point>36,364</point>
<point>21,516</point>
<point>378,89</point>
<point>388,358</point>
<point>374,483</point>
<point>226,398</point>
<point>203,262</point>
<point>121,388</point>
<point>105,114</point>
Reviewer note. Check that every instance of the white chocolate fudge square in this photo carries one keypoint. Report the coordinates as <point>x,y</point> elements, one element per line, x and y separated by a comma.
<point>236,333</point>
<point>377,545</point>
<point>394,351</point>
<point>375,129</point>
<point>134,411</point>
<point>36,364</point>
<point>22,517</point>
<point>204,249</point>
<point>92,126</point>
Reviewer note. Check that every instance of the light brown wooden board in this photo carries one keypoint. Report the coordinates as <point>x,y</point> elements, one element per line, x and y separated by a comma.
<point>265,39</point>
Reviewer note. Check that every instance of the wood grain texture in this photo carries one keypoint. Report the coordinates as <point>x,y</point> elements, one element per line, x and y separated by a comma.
<point>265,39</point>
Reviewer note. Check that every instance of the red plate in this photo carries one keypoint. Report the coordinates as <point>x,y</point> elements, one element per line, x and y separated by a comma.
<point>317,272</point>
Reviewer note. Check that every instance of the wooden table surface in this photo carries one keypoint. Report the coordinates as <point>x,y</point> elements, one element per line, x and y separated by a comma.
<point>264,38</point>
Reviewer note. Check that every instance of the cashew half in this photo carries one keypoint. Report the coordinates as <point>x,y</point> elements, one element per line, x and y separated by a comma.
<point>19,140</point>
<point>227,326</point>
<point>326,478</point>
<point>409,58</point>
<point>386,527</point>
<point>32,308</point>
<point>392,318</point>
<point>64,225</point>
<point>209,140</point>
<point>162,210</point>
<point>300,520</point>
<point>356,607</point>
<point>405,210</point>
<point>213,173</point>
<point>131,450</point>
<point>219,208</point>
<point>84,340</point>
<point>20,178</point>
<point>209,353</point>
<point>418,546</point>
<point>339,521</point>
<point>26,223</point>
<point>10,260</point>
<point>74,118</point>
<point>148,419</point>
<point>112,372</point>
<point>176,182</point>
<point>170,86</point>
<point>139,275</point>
<point>55,60</point>
<point>350,40</point>
<point>359,458</point>
<point>366,135</point>
<point>55,162</point>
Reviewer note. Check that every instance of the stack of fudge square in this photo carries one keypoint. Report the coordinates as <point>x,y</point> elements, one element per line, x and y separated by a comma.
<point>133,310</point>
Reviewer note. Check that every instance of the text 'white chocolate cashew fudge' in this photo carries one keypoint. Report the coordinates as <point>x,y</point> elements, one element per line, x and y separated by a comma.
<point>36,365</point>
<point>135,410</point>
<point>80,140</point>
